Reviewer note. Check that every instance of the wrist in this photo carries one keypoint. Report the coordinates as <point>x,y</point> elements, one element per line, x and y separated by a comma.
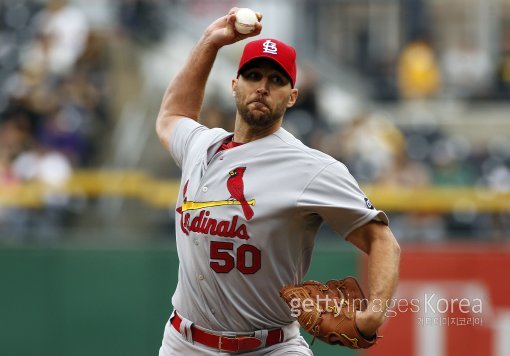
<point>207,43</point>
<point>368,322</point>
<point>375,311</point>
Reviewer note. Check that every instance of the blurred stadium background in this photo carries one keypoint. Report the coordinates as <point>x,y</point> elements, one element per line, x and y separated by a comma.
<point>413,96</point>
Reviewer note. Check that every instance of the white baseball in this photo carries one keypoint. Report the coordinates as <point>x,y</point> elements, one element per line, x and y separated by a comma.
<point>245,20</point>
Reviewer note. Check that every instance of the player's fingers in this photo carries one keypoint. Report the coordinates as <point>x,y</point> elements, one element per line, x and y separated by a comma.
<point>232,10</point>
<point>257,30</point>
<point>231,18</point>
<point>259,15</point>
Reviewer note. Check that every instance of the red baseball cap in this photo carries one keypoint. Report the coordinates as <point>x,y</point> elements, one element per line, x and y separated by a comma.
<point>283,54</point>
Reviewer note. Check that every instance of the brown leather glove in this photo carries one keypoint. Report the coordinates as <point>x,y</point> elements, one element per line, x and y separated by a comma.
<point>328,311</point>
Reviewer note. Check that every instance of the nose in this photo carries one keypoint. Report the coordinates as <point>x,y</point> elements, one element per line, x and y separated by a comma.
<point>263,87</point>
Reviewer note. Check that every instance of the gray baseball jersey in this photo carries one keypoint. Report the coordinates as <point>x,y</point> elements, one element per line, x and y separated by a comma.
<point>246,221</point>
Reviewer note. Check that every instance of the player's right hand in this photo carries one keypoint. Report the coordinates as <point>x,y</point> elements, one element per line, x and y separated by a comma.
<point>222,31</point>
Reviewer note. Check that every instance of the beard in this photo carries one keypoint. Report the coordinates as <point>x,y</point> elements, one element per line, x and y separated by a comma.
<point>259,119</point>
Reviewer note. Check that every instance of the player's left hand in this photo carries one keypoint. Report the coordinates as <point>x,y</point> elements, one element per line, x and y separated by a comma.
<point>329,311</point>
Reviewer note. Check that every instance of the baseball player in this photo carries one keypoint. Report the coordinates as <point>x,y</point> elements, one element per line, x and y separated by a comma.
<point>250,204</point>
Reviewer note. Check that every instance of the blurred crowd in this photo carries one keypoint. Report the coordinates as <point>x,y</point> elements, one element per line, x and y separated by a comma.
<point>55,99</point>
<point>52,100</point>
<point>53,93</point>
<point>56,113</point>
<point>462,70</point>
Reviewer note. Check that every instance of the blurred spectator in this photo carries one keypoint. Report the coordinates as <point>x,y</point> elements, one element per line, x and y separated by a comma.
<point>44,165</point>
<point>63,131</point>
<point>368,145</point>
<point>62,34</point>
<point>418,72</point>
<point>50,170</point>
<point>467,70</point>
<point>143,20</point>
<point>305,120</point>
<point>449,162</point>
<point>404,172</point>
<point>383,74</point>
<point>15,136</point>
<point>496,166</point>
<point>503,68</point>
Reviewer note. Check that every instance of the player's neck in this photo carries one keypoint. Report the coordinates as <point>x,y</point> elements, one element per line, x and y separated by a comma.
<point>244,132</point>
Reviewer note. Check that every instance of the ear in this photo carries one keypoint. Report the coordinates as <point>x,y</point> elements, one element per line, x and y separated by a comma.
<point>292,98</point>
<point>234,86</point>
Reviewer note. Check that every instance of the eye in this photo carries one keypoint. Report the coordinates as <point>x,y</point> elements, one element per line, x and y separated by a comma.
<point>253,75</point>
<point>278,79</point>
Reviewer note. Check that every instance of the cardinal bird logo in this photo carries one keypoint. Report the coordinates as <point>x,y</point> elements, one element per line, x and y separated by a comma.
<point>235,187</point>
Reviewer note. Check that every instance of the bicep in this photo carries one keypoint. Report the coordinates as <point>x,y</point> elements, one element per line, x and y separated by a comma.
<point>365,235</point>
<point>165,126</point>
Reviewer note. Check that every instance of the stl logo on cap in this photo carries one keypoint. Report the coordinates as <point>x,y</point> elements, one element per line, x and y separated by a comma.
<point>279,52</point>
<point>270,47</point>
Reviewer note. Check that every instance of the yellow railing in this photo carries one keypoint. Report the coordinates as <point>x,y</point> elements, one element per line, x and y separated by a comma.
<point>163,193</point>
<point>93,184</point>
<point>439,199</point>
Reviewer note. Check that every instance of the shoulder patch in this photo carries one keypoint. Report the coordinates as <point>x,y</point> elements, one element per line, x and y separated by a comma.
<point>369,204</point>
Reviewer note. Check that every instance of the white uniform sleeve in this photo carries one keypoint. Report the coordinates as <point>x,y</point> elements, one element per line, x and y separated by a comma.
<point>335,195</point>
<point>191,140</point>
<point>182,137</point>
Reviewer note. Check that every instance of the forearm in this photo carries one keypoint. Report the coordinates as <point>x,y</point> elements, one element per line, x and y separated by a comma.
<point>185,94</point>
<point>383,271</point>
<point>378,242</point>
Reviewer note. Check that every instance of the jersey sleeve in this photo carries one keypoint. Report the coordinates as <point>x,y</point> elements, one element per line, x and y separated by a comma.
<point>335,195</point>
<point>191,139</point>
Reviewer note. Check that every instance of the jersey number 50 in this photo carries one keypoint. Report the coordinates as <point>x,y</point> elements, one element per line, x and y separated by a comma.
<point>223,262</point>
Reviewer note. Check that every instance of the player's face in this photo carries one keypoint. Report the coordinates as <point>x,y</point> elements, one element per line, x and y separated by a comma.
<point>263,93</point>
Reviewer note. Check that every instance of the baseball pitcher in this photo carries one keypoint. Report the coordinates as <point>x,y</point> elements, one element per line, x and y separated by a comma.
<point>249,206</point>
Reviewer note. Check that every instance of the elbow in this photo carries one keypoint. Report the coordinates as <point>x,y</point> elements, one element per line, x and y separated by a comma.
<point>395,247</point>
<point>391,244</point>
<point>160,125</point>
<point>396,255</point>
<point>164,124</point>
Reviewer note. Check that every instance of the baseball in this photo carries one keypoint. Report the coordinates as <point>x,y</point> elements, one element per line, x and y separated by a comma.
<point>245,20</point>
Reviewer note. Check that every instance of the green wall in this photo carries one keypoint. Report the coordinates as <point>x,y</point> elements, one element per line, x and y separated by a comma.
<point>100,301</point>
